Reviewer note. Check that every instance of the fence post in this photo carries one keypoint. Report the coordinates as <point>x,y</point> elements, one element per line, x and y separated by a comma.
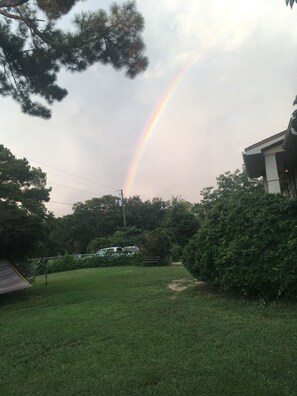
<point>45,264</point>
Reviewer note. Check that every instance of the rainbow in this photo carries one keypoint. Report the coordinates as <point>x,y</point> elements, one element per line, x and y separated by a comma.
<point>158,111</point>
<point>146,135</point>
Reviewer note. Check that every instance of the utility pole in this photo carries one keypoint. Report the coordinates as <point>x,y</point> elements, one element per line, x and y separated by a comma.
<point>123,207</point>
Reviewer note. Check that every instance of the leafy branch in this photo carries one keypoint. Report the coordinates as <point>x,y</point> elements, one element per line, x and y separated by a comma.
<point>36,49</point>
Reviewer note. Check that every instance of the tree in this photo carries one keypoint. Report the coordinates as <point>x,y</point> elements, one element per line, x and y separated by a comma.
<point>146,215</point>
<point>101,217</point>
<point>22,210</point>
<point>181,223</point>
<point>33,48</point>
<point>229,184</point>
<point>96,217</point>
<point>157,243</point>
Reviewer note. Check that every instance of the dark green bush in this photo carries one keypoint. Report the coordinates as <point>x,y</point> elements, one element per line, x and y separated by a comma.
<point>157,243</point>
<point>176,252</point>
<point>247,244</point>
<point>68,263</point>
<point>63,263</point>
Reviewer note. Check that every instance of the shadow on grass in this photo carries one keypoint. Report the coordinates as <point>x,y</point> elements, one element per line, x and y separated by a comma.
<point>14,297</point>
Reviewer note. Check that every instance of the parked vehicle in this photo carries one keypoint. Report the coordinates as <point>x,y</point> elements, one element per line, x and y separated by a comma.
<point>110,251</point>
<point>131,250</point>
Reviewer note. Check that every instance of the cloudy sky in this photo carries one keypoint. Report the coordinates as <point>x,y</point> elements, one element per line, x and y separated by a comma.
<point>222,76</point>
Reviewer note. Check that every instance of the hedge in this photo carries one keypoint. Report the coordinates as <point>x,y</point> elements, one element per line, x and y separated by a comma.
<point>247,244</point>
<point>68,263</point>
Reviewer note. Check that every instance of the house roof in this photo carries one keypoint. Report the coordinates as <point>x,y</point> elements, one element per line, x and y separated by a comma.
<point>10,278</point>
<point>253,155</point>
<point>266,143</point>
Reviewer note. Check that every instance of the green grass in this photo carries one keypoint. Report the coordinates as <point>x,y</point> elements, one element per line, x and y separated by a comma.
<point>121,331</point>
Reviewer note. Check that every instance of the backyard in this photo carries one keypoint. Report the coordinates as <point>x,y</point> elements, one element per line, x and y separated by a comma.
<point>123,331</point>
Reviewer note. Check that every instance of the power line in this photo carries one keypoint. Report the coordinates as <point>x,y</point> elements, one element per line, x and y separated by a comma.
<point>71,188</point>
<point>74,188</point>
<point>72,174</point>
<point>61,203</point>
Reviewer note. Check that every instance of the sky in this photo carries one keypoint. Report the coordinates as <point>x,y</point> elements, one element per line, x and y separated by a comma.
<point>222,76</point>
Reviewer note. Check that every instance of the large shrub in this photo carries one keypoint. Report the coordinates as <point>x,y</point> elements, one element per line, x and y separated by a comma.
<point>247,243</point>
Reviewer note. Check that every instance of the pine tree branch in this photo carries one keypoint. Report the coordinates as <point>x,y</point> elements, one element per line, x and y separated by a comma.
<point>12,16</point>
<point>28,23</point>
<point>33,51</point>
<point>16,85</point>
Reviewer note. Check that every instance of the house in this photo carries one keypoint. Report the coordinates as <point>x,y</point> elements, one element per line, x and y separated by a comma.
<point>275,160</point>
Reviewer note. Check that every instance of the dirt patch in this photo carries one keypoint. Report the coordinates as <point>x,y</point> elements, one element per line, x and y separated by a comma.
<point>179,285</point>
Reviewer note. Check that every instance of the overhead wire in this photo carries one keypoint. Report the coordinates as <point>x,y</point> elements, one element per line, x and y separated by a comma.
<point>61,203</point>
<point>72,174</point>
<point>69,187</point>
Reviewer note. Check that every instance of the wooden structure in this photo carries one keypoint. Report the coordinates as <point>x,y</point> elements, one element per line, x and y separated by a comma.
<point>10,279</point>
<point>151,260</point>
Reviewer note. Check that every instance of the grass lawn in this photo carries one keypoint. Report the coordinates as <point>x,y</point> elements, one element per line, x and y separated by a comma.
<point>121,331</point>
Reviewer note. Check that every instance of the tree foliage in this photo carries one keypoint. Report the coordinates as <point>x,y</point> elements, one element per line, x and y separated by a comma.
<point>146,215</point>
<point>96,217</point>
<point>229,184</point>
<point>33,48</point>
<point>95,222</point>
<point>126,237</point>
<point>180,221</point>
<point>22,210</point>
<point>157,243</point>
